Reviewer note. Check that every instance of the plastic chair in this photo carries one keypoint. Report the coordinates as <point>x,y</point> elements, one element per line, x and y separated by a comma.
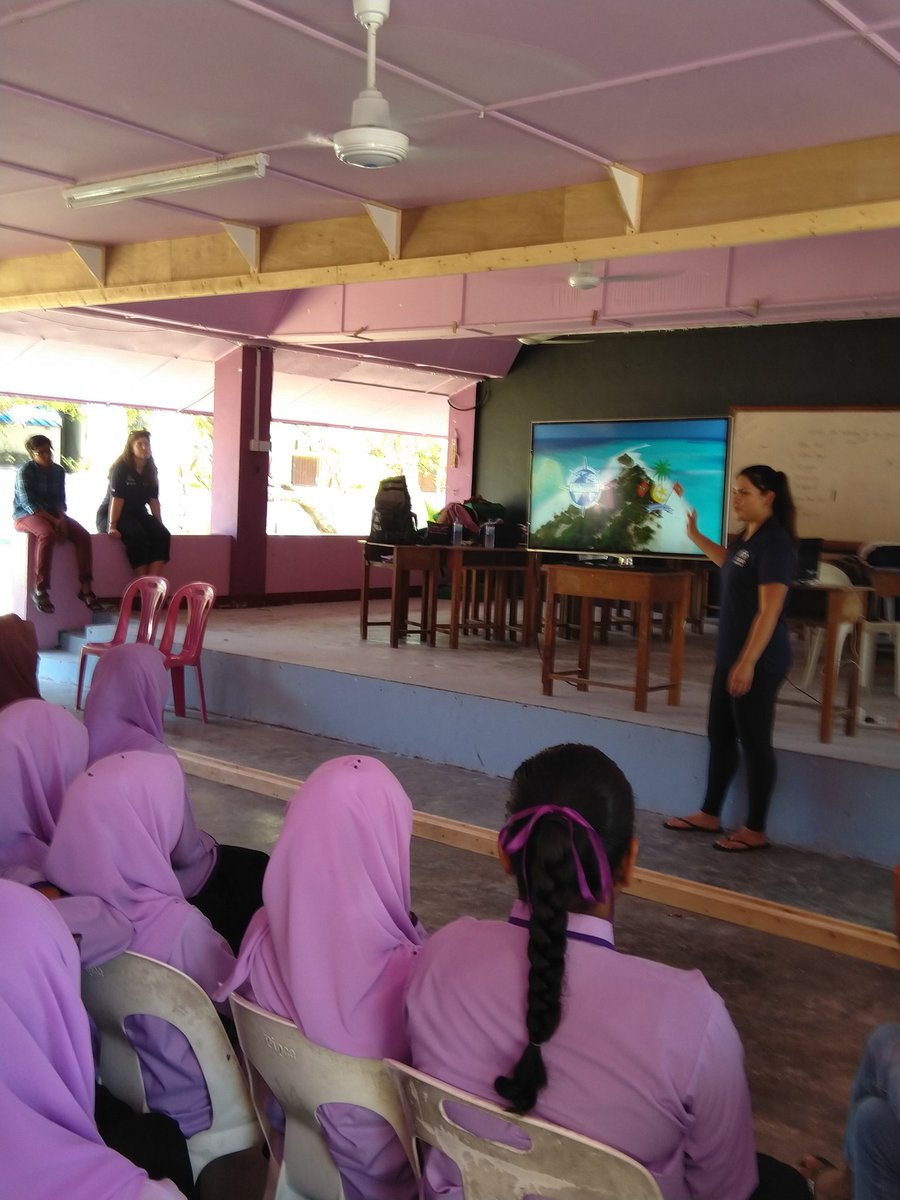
<point>199,598</point>
<point>134,985</point>
<point>151,589</point>
<point>559,1164</point>
<point>301,1076</point>
<point>827,574</point>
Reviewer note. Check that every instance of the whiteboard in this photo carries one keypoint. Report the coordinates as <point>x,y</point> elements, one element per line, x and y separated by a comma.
<point>843,465</point>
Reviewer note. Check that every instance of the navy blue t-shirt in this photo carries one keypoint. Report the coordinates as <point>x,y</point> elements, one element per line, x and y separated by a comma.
<point>767,557</point>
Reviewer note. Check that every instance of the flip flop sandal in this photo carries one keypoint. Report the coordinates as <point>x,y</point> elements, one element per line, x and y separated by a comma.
<point>822,1165</point>
<point>740,846</point>
<point>689,826</point>
<point>42,602</point>
<point>89,599</point>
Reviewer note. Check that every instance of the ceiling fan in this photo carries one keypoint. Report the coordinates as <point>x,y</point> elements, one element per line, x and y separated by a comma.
<point>369,141</point>
<point>583,277</point>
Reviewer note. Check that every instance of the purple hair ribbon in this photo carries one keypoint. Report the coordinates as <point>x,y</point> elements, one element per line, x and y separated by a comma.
<point>511,843</point>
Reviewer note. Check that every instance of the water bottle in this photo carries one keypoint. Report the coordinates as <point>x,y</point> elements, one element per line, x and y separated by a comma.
<point>457,533</point>
<point>490,533</point>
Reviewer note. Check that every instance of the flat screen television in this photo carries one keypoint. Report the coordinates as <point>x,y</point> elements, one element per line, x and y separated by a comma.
<point>624,488</point>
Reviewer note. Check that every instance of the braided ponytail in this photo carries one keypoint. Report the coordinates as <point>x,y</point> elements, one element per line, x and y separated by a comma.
<point>564,861</point>
<point>552,881</point>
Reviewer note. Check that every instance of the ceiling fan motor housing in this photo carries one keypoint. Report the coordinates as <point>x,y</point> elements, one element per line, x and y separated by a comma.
<point>369,142</point>
<point>372,12</point>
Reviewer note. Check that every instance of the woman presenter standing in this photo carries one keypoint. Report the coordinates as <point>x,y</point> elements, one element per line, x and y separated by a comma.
<point>752,653</point>
<point>133,506</point>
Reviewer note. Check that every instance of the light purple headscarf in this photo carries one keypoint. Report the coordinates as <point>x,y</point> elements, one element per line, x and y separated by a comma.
<point>42,749</point>
<point>49,1144</point>
<point>124,711</point>
<point>119,823</point>
<point>333,944</point>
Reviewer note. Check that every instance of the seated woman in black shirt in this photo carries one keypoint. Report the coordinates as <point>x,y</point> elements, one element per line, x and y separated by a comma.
<point>132,507</point>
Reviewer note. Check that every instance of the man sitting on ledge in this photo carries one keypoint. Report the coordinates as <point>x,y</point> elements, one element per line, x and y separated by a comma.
<point>39,508</point>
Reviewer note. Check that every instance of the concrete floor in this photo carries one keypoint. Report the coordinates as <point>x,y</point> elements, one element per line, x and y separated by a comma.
<point>803,1013</point>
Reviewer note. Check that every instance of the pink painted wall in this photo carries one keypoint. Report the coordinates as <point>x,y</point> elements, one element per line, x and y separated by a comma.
<point>193,558</point>
<point>322,563</point>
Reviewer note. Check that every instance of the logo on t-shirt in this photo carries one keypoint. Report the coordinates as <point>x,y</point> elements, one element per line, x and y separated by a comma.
<point>742,557</point>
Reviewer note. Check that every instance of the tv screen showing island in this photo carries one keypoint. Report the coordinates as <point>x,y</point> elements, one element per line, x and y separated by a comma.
<point>625,487</point>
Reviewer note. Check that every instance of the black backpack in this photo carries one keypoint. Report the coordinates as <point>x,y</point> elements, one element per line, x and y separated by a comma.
<point>393,520</point>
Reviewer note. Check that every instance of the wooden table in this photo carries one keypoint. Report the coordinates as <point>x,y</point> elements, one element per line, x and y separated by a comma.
<point>842,605</point>
<point>643,588</point>
<point>460,559</point>
<point>402,561</point>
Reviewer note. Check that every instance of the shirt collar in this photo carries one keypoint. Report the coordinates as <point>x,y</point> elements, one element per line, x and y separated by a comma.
<point>577,923</point>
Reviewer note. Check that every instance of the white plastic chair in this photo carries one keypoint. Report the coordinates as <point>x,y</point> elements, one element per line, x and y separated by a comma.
<point>301,1076</point>
<point>134,985</point>
<point>828,574</point>
<point>560,1164</point>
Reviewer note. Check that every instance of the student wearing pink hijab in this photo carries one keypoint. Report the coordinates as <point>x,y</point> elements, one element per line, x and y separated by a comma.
<point>42,750</point>
<point>124,711</point>
<point>119,824</point>
<point>332,947</point>
<point>49,1145</point>
<point>541,1014</point>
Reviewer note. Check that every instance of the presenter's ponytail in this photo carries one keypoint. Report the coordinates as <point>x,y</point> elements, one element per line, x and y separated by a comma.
<point>769,480</point>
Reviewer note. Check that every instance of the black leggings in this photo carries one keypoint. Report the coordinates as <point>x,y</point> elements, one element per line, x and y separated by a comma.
<point>748,719</point>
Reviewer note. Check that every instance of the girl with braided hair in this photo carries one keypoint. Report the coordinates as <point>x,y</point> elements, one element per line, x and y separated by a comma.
<point>542,1013</point>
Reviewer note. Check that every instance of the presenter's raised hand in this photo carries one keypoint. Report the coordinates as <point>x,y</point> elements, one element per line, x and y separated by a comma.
<point>691,524</point>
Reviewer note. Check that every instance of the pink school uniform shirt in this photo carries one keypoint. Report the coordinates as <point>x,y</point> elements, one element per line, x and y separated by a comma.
<point>646,1058</point>
<point>43,749</point>
<point>119,822</point>
<point>49,1145</point>
<point>124,711</point>
<point>332,946</point>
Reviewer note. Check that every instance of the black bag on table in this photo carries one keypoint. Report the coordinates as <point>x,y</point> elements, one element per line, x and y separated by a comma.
<point>393,520</point>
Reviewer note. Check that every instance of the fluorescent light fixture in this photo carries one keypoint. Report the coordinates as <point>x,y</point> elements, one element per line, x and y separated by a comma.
<point>158,183</point>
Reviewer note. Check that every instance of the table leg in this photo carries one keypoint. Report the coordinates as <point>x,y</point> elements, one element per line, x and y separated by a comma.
<point>364,599</point>
<point>645,620</point>
<point>399,603</point>
<point>676,654</point>
<point>549,643</point>
<point>457,584</point>
<point>431,580</point>
<point>585,638</point>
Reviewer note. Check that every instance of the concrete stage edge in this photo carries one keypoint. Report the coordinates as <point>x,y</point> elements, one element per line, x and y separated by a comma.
<point>823,804</point>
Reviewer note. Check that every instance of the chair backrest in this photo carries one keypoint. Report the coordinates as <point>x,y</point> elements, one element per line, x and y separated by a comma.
<point>301,1076</point>
<point>134,985</point>
<point>559,1165</point>
<point>881,554</point>
<point>199,599</point>
<point>151,591</point>
<point>829,573</point>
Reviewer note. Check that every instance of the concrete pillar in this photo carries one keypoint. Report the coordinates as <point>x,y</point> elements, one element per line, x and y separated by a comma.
<point>242,408</point>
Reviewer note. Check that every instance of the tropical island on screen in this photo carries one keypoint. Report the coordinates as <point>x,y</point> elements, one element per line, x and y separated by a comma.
<point>625,487</point>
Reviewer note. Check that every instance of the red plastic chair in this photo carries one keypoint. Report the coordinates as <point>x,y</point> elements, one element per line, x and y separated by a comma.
<point>199,598</point>
<point>152,592</point>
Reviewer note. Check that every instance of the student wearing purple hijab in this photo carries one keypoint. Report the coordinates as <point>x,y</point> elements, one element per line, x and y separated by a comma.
<point>119,824</point>
<point>49,1145</point>
<point>332,947</point>
<point>43,749</point>
<point>540,1014</point>
<point>124,711</point>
